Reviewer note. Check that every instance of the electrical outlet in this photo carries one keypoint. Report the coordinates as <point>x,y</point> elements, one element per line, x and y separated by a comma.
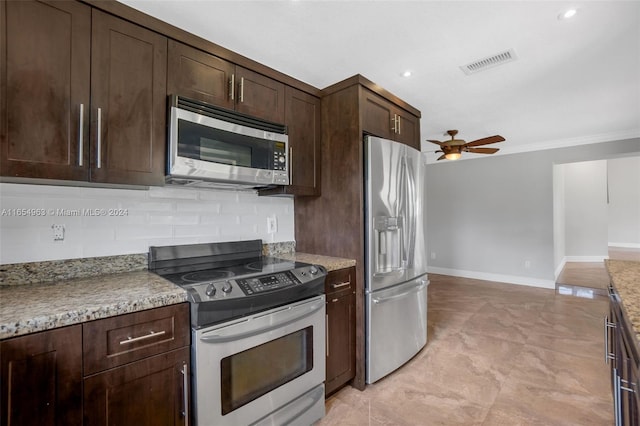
<point>433,255</point>
<point>527,264</point>
<point>58,232</point>
<point>272,224</point>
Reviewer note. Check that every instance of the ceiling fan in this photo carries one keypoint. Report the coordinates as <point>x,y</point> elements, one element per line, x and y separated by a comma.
<point>453,149</point>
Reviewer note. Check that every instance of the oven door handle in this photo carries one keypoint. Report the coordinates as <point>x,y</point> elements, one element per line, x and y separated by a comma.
<point>278,323</point>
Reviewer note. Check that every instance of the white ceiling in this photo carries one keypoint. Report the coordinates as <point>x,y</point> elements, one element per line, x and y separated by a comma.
<point>575,81</point>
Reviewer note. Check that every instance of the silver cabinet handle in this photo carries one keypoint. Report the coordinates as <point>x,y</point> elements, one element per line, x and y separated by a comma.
<point>616,399</point>
<point>146,336</point>
<point>399,128</point>
<point>81,136</point>
<point>393,123</point>
<point>607,325</point>
<point>241,89</point>
<point>346,283</point>
<point>99,139</point>
<point>232,86</point>
<point>326,333</point>
<point>185,393</point>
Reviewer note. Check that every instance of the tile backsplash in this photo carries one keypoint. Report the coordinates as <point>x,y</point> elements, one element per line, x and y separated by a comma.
<point>106,221</point>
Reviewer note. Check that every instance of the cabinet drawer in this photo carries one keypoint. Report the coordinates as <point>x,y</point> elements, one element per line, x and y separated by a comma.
<point>115,341</point>
<point>342,280</point>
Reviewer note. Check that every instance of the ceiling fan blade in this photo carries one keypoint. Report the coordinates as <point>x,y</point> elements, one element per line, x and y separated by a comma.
<point>436,142</point>
<point>441,157</point>
<point>486,141</point>
<point>483,150</point>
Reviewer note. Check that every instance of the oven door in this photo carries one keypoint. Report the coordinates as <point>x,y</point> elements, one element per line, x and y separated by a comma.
<point>247,369</point>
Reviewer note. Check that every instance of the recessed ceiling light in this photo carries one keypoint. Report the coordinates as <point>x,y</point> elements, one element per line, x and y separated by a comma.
<point>406,73</point>
<point>568,14</point>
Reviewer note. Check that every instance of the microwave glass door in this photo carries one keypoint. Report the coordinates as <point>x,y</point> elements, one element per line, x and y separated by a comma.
<point>254,372</point>
<point>214,145</point>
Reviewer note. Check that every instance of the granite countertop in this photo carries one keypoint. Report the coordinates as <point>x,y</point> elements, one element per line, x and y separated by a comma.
<point>101,290</point>
<point>36,307</point>
<point>625,277</point>
<point>330,263</point>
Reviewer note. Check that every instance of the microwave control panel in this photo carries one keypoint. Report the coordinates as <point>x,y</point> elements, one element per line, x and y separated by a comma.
<point>279,156</point>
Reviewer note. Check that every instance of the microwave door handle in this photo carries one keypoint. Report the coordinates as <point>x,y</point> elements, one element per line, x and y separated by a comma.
<point>217,338</point>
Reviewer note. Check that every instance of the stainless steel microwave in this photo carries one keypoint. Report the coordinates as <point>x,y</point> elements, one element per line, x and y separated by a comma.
<point>212,146</point>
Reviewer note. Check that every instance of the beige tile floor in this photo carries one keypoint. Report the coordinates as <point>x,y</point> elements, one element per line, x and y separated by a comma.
<point>497,354</point>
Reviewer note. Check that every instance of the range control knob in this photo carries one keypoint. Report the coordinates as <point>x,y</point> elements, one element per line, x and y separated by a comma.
<point>226,287</point>
<point>211,290</point>
<point>313,270</point>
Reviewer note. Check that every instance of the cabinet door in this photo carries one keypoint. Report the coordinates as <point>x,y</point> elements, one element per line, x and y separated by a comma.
<point>302,118</point>
<point>150,392</point>
<point>259,96</point>
<point>44,79</point>
<point>407,129</point>
<point>42,378</point>
<point>341,341</point>
<point>377,116</point>
<point>198,75</point>
<point>128,90</point>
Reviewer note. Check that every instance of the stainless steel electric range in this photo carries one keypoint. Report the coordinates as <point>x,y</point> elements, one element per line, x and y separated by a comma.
<point>258,332</point>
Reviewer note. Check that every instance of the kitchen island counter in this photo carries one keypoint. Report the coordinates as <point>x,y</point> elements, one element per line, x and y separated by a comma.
<point>625,277</point>
<point>31,308</point>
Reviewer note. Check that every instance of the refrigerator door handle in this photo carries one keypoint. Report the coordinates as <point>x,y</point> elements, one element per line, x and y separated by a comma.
<point>411,214</point>
<point>422,284</point>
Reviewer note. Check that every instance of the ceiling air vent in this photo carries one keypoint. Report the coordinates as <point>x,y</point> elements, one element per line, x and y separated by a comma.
<point>489,62</point>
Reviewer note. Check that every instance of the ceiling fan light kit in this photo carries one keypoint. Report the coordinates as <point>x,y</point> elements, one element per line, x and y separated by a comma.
<point>453,149</point>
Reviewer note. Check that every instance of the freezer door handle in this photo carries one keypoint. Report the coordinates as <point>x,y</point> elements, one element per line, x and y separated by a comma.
<point>378,300</point>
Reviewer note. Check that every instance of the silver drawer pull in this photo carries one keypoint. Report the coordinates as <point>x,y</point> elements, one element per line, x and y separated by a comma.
<point>147,336</point>
<point>341,284</point>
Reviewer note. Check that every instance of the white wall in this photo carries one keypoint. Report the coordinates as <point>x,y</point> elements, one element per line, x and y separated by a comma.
<point>559,222</point>
<point>158,216</point>
<point>493,218</point>
<point>586,211</point>
<point>624,202</point>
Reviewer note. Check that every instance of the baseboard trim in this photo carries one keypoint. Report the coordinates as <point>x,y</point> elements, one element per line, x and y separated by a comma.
<point>585,258</point>
<point>560,267</point>
<point>501,278</point>
<point>625,245</point>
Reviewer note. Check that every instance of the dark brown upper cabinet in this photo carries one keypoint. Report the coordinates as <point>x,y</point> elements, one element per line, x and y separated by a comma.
<point>302,117</point>
<point>45,50</point>
<point>197,75</point>
<point>128,102</point>
<point>205,77</point>
<point>83,95</point>
<point>385,119</point>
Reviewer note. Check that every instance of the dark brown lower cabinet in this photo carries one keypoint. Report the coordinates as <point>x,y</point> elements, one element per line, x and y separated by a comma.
<point>136,370</point>
<point>149,392</point>
<point>340,329</point>
<point>622,354</point>
<point>41,381</point>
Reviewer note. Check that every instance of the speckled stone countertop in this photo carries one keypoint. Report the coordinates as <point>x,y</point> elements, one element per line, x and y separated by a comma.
<point>625,276</point>
<point>330,263</point>
<point>36,307</point>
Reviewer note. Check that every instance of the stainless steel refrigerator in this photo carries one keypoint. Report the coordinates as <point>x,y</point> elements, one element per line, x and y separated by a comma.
<point>396,263</point>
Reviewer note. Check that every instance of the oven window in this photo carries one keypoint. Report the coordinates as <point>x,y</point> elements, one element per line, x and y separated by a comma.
<point>250,374</point>
<point>213,145</point>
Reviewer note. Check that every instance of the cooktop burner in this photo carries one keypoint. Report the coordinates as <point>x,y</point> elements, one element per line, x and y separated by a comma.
<point>209,275</point>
